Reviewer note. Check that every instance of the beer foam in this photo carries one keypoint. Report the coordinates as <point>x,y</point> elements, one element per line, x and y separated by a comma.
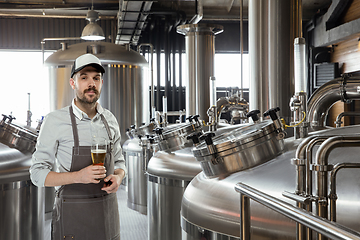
<point>98,151</point>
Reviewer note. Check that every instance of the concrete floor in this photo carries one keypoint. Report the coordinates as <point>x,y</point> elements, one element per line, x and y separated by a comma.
<point>133,224</point>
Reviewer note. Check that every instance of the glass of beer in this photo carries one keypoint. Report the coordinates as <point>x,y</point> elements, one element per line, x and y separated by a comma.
<point>98,151</point>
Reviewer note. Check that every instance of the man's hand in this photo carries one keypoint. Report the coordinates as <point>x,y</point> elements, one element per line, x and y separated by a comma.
<point>113,181</point>
<point>91,174</point>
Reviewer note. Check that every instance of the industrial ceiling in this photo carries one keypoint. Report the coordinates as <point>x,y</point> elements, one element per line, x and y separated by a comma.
<point>132,15</point>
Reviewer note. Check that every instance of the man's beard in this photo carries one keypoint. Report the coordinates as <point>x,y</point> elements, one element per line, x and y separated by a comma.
<point>84,100</point>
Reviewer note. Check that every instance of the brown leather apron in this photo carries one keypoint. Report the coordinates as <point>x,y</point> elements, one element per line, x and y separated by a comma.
<point>84,211</point>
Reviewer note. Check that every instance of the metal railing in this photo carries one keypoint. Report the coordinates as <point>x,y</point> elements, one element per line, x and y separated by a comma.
<point>323,226</point>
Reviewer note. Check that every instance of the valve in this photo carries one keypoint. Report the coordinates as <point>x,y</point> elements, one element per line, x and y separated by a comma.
<point>128,134</point>
<point>4,118</point>
<point>277,122</point>
<point>158,131</point>
<point>196,118</point>
<point>211,148</point>
<point>11,118</point>
<point>272,113</point>
<point>194,137</point>
<point>190,118</point>
<point>208,138</point>
<point>254,114</point>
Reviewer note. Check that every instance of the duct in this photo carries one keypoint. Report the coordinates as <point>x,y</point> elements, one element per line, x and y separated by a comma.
<point>343,89</point>
<point>131,20</point>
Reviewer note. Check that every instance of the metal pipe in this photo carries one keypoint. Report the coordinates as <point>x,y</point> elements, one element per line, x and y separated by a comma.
<point>300,151</point>
<point>301,182</point>
<point>173,88</point>
<point>297,198</point>
<point>332,195</point>
<point>309,179</point>
<point>152,100</point>
<point>309,160</point>
<point>322,226</point>
<point>199,12</point>
<point>322,167</point>
<point>230,103</point>
<point>167,58</point>
<point>344,89</point>
<point>303,160</point>
<point>200,51</point>
<point>241,48</point>
<point>54,39</point>
<point>244,217</point>
<point>158,65</point>
<point>29,113</point>
<point>338,121</point>
<point>258,55</point>
<point>180,99</point>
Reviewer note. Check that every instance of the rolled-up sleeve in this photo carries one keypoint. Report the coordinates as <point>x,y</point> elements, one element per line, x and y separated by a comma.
<point>43,159</point>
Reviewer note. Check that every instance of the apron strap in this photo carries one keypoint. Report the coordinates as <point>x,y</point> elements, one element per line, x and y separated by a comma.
<point>75,131</point>
<point>106,126</point>
<point>74,128</point>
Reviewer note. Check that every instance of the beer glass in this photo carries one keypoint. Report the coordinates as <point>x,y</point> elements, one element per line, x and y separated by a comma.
<point>98,151</point>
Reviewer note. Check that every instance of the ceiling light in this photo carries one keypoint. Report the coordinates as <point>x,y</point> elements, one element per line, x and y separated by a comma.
<point>92,31</point>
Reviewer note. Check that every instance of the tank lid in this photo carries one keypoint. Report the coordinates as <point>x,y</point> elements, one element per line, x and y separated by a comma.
<point>15,136</point>
<point>175,136</point>
<point>179,164</point>
<point>238,137</point>
<point>108,53</point>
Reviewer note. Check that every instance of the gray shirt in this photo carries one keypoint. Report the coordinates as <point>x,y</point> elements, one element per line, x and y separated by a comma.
<point>55,141</point>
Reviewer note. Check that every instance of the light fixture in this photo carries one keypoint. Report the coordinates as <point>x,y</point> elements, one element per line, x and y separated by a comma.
<point>92,31</point>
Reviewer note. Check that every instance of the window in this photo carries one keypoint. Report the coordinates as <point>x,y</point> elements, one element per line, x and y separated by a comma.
<point>23,73</point>
<point>227,69</point>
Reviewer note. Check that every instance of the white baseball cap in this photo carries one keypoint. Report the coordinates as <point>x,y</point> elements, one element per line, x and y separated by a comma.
<point>85,60</point>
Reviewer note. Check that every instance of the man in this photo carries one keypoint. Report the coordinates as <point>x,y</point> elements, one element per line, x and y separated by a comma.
<point>85,207</point>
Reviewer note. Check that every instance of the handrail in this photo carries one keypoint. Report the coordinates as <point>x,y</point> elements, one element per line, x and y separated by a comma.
<point>316,223</point>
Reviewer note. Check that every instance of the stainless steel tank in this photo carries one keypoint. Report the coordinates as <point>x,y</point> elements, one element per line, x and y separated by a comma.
<point>125,91</point>
<point>138,150</point>
<point>200,54</point>
<point>210,207</point>
<point>169,172</point>
<point>21,202</point>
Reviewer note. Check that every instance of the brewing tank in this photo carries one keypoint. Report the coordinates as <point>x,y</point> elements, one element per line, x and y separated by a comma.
<point>210,207</point>
<point>21,202</point>
<point>169,171</point>
<point>125,91</point>
<point>138,150</point>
